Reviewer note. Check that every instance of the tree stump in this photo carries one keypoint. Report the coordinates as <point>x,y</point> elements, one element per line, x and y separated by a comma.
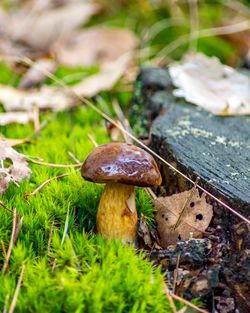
<point>217,150</point>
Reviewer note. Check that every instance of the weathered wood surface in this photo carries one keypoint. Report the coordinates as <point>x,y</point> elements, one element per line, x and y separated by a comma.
<point>216,149</point>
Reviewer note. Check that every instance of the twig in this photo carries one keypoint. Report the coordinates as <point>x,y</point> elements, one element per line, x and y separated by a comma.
<point>150,193</point>
<point>124,121</point>
<point>5,207</point>
<point>194,24</point>
<point>187,303</point>
<point>52,164</point>
<point>15,231</point>
<point>18,286</point>
<point>170,299</point>
<point>183,210</point>
<point>221,30</point>
<point>93,140</point>
<point>176,272</point>
<point>50,235</point>
<point>4,249</point>
<point>42,126</point>
<point>46,182</point>
<point>36,118</point>
<point>74,157</point>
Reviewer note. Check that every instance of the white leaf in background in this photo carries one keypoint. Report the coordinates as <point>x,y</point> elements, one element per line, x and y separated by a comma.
<point>104,80</point>
<point>215,87</point>
<point>47,97</point>
<point>35,74</point>
<point>17,168</point>
<point>15,117</point>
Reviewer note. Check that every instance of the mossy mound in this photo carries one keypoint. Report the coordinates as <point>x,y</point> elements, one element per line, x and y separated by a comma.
<point>66,269</point>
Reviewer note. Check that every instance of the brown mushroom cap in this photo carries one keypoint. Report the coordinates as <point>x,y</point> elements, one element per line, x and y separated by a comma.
<point>121,163</point>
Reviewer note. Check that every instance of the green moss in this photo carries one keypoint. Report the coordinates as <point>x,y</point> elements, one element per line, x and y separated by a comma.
<point>85,273</point>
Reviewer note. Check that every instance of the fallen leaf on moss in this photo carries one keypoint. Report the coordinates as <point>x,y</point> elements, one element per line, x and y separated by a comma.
<point>95,46</point>
<point>195,219</point>
<point>47,97</point>
<point>215,87</point>
<point>104,80</point>
<point>35,75</point>
<point>11,142</point>
<point>13,166</point>
<point>40,30</point>
<point>16,117</point>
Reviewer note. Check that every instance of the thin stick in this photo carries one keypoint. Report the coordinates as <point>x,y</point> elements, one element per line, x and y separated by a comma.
<point>194,24</point>
<point>5,207</point>
<point>74,157</point>
<point>93,140</point>
<point>222,30</point>
<point>170,299</point>
<point>183,210</point>
<point>4,249</point>
<point>36,118</point>
<point>123,120</point>
<point>46,182</point>
<point>187,303</point>
<point>176,272</point>
<point>50,235</point>
<point>6,263</point>
<point>18,286</point>
<point>41,127</point>
<point>52,164</point>
<point>14,234</point>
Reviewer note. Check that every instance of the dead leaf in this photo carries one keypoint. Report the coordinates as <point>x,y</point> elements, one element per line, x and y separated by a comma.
<point>105,79</point>
<point>16,117</point>
<point>47,97</point>
<point>144,232</point>
<point>95,45</point>
<point>16,168</point>
<point>42,29</point>
<point>215,87</point>
<point>35,75</point>
<point>11,142</point>
<point>195,220</point>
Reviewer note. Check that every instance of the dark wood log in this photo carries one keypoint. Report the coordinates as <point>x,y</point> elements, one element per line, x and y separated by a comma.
<point>217,150</point>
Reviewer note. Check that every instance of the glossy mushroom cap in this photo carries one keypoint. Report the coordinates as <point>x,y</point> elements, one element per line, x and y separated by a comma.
<point>121,163</point>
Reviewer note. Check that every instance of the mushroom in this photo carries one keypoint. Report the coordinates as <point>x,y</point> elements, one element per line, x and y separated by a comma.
<point>121,166</point>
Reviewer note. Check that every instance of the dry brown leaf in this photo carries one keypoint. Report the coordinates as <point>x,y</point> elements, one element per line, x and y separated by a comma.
<point>95,45</point>
<point>47,97</point>
<point>215,87</point>
<point>11,142</point>
<point>16,117</point>
<point>144,232</point>
<point>195,219</point>
<point>35,75</point>
<point>41,30</point>
<point>103,80</point>
<point>13,166</point>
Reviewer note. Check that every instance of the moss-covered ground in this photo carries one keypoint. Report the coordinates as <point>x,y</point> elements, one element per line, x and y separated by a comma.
<point>67,266</point>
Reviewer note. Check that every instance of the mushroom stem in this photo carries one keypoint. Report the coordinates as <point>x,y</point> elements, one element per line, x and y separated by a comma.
<point>117,215</point>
